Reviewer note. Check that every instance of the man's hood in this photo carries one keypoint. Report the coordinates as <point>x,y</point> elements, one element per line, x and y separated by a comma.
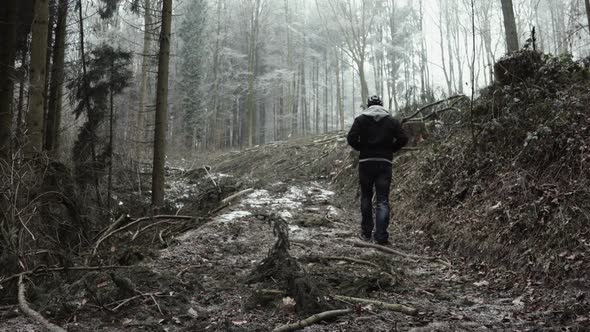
<point>376,112</point>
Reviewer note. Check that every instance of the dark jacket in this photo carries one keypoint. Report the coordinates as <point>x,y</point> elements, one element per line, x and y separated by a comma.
<point>376,134</point>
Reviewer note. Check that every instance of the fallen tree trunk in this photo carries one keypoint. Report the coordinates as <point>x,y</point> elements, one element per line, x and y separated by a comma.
<point>389,306</point>
<point>312,320</point>
<point>24,307</point>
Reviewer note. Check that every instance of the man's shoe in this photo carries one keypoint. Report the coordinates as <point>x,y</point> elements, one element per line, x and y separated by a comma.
<point>383,243</point>
<point>365,238</point>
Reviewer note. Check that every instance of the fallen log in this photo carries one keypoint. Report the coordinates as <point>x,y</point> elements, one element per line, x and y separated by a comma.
<point>389,306</point>
<point>24,307</point>
<point>312,320</point>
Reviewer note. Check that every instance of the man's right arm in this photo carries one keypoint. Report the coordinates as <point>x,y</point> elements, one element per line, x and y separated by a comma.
<point>354,135</point>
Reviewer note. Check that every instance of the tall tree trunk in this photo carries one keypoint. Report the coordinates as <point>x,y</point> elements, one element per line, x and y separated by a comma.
<point>510,26</point>
<point>34,116</point>
<point>7,73</point>
<point>111,139</point>
<point>304,102</point>
<point>158,180</point>
<point>362,77</point>
<point>48,72</point>
<point>143,88</point>
<point>217,130</point>
<point>317,96</point>
<point>326,94</point>
<point>587,2</point>
<point>252,71</point>
<point>339,94</point>
<point>290,110</point>
<point>21,98</point>
<point>57,78</point>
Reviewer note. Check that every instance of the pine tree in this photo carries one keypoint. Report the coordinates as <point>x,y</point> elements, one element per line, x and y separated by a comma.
<point>108,74</point>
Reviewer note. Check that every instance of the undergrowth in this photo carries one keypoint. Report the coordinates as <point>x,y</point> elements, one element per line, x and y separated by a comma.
<point>519,194</point>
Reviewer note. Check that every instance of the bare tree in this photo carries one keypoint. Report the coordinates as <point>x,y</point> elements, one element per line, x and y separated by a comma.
<point>587,2</point>
<point>510,26</point>
<point>355,19</point>
<point>158,179</point>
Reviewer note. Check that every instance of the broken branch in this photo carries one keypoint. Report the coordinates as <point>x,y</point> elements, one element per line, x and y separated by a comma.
<point>312,320</point>
<point>389,306</point>
<point>431,105</point>
<point>59,269</point>
<point>399,253</point>
<point>230,198</point>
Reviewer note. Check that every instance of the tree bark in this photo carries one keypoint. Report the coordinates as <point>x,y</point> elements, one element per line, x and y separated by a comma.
<point>161,125</point>
<point>252,68</point>
<point>510,26</point>
<point>34,117</point>
<point>326,93</point>
<point>587,2</point>
<point>140,125</point>
<point>57,78</point>
<point>7,74</point>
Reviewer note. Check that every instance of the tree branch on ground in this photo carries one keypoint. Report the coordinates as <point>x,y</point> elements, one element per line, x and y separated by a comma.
<point>389,306</point>
<point>312,320</point>
<point>399,253</point>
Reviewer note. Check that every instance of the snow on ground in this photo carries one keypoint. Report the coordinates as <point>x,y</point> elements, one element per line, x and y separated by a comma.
<point>286,204</point>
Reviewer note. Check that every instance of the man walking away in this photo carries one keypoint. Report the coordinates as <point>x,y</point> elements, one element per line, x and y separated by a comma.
<point>377,135</point>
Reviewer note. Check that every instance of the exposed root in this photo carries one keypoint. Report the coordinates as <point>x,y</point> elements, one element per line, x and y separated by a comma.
<point>280,267</point>
<point>24,307</point>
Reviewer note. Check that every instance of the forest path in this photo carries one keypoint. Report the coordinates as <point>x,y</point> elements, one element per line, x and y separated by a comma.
<point>204,274</point>
<point>221,254</point>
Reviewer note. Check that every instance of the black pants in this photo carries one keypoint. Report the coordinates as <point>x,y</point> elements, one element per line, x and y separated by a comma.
<point>375,174</point>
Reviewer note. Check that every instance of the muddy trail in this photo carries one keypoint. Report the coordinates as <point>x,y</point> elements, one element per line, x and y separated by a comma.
<point>203,280</point>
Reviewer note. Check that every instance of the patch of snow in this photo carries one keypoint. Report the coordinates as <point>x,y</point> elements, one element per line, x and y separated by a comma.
<point>260,198</point>
<point>231,216</point>
<point>285,214</point>
<point>332,212</point>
